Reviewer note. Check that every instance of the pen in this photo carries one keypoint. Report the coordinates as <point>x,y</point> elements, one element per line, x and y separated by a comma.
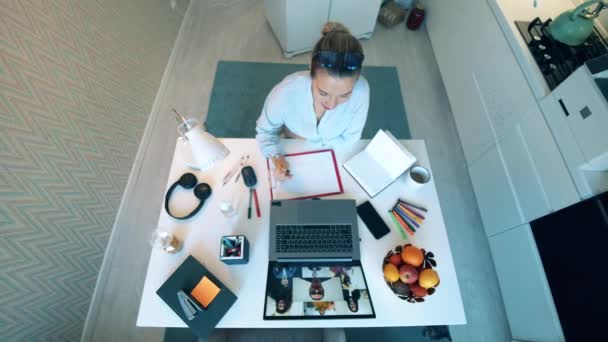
<point>413,205</point>
<point>403,224</point>
<point>413,224</point>
<point>249,209</point>
<point>399,228</point>
<point>411,214</point>
<point>411,211</point>
<point>257,204</point>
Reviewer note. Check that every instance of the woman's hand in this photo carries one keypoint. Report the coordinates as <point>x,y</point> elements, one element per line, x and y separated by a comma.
<point>281,168</point>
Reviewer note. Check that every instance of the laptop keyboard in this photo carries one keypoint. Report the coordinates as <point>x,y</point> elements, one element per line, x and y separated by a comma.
<point>314,238</point>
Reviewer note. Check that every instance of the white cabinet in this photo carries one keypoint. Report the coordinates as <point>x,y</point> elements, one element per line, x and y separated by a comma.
<point>521,178</point>
<point>517,171</point>
<point>497,203</point>
<point>537,171</point>
<point>297,24</point>
<point>586,112</point>
<point>358,15</point>
<point>525,291</point>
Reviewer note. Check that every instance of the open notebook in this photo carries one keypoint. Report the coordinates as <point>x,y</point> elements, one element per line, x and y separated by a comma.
<point>314,174</point>
<point>380,163</point>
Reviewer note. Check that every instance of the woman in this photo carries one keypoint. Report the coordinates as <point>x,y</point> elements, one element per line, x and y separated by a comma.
<point>351,295</point>
<point>281,294</point>
<point>327,106</point>
<point>316,290</point>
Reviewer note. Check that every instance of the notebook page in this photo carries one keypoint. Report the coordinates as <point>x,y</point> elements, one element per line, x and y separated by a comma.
<point>390,154</point>
<point>367,172</point>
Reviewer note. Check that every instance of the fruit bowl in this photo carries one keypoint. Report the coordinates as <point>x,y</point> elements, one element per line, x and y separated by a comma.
<point>408,272</point>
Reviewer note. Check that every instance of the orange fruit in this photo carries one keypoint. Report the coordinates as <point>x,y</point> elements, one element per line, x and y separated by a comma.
<point>391,273</point>
<point>428,278</point>
<point>412,256</point>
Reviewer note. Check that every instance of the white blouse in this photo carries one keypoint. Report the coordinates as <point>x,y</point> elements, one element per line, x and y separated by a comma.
<point>290,104</point>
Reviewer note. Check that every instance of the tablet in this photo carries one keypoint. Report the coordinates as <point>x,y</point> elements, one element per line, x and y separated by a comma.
<point>317,291</point>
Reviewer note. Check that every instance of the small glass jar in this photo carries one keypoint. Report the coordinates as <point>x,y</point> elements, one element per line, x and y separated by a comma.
<point>166,241</point>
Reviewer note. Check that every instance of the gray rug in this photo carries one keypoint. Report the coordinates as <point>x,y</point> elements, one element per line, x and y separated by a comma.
<point>240,88</point>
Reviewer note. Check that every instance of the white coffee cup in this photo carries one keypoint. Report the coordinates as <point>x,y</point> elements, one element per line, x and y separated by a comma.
<point>418,176</point>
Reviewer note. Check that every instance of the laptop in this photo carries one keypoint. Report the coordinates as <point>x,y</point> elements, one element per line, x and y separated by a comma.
<point>314,231</point>
<point>314,271</point>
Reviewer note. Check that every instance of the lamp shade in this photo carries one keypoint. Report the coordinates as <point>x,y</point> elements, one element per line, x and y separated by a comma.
<point>206,149</point>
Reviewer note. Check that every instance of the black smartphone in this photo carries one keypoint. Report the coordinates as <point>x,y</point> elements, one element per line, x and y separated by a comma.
<point>372,220</point>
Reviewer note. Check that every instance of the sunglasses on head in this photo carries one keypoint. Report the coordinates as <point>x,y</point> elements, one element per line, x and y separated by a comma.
<point>345,60</point>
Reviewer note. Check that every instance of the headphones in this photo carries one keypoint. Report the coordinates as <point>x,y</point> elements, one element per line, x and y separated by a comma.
<point>202,191</point>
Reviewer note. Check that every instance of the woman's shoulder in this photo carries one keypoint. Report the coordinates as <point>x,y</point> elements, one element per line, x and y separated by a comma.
<point>293,82</point>
<point>361,85</point>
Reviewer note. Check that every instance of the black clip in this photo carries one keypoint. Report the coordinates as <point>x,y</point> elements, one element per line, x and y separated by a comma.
<point>189,305</point>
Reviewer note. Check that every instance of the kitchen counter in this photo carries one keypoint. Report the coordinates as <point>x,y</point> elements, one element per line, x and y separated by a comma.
<point>506,13</point>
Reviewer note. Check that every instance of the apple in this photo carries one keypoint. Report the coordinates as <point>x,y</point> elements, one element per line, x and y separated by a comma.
<point>395,259</point>
<point>408,274</point>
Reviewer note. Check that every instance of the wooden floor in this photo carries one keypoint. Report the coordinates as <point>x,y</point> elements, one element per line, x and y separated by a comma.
<point>236,30</point>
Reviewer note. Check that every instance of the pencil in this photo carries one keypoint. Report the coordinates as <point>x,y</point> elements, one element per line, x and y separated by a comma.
<point>413,205</point>
<point>403,224</point>
<point>399,227</point>
<point>406,218</point>
<point>411,214</point>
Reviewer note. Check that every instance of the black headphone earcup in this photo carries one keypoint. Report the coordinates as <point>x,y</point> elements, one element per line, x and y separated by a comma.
<point>187,181</point>
<point>202,191</point>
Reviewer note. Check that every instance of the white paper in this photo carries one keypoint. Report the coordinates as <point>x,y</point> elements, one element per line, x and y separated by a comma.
<point>382,161</point>
<point>313,174</point>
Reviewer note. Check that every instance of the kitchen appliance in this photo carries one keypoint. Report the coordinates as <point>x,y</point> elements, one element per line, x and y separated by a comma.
<point>555,59</point>
<point>575,26</point>
<point>571,243</point>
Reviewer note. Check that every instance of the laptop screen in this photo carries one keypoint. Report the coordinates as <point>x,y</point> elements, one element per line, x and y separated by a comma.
<point>317,291</point>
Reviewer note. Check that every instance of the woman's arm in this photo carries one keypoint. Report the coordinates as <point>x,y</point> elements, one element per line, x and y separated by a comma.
<point>270,123</point>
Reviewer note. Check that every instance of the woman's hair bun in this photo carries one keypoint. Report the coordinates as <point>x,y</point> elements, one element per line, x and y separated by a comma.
<point>332,26</point>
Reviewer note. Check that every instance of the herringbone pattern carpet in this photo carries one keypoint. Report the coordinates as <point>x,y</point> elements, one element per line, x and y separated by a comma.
<point>74,100</point>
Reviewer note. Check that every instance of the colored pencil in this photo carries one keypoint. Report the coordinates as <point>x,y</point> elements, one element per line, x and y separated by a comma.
<point>410,214</point>
<point>399,228</point>
<point>414,225</point>
<point>413,205</point>
<point>412,211</point>
<point>257,204</point>
<point>403,224</point>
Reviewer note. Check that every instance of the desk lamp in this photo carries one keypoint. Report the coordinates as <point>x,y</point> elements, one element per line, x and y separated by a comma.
<point>206,149</point>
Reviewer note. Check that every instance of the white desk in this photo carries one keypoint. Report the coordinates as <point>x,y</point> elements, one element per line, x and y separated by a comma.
<point>201,236</point>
